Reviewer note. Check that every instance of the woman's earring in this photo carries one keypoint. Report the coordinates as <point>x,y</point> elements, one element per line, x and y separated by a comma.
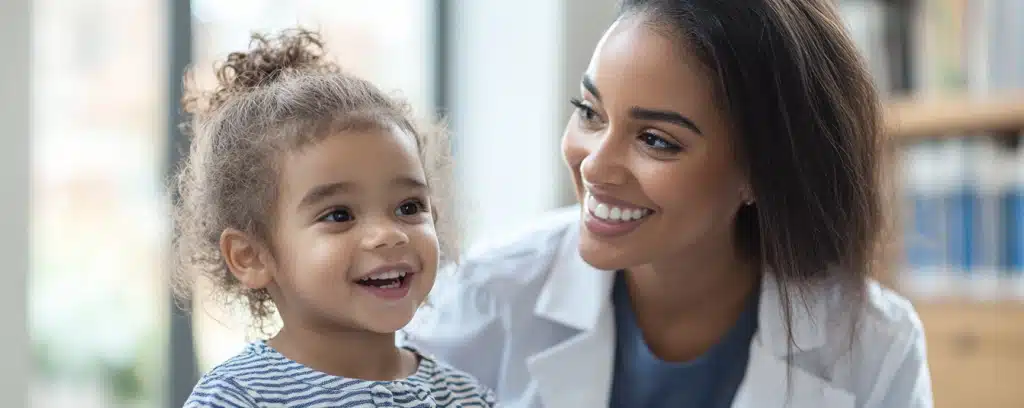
<point>747,199</point>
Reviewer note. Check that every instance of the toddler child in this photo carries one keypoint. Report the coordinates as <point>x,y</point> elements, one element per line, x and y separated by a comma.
<point>309,193</point>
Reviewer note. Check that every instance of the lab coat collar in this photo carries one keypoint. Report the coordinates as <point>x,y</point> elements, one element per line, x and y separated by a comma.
<point>578,294</point>
<point>578,371</point>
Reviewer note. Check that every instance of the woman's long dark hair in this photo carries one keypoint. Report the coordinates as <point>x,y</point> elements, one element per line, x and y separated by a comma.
<point>808,127</point>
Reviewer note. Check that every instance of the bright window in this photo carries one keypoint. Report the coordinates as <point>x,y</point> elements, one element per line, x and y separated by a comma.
<point>98,308</point>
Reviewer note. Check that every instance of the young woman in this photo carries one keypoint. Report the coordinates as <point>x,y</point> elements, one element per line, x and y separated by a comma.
<point>726,157</point>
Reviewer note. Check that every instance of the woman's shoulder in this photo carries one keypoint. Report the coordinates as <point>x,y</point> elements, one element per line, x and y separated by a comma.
<point>871,344</point>
<point>838,308</point>
<point>508,259</point>
<point>533,236</point>
<point>878,313</point>
<point>886,310</point>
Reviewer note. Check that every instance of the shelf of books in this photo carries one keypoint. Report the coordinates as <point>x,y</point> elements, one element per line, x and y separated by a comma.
<point>959,178</point>
<point>960,167</point>
<point>963,197</point>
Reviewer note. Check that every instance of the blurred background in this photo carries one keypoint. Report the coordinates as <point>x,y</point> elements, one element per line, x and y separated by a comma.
<point>88,92</point>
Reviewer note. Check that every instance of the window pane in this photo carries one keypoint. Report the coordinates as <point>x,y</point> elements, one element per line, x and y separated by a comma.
<point>97,292</point>
<point>390,43</point>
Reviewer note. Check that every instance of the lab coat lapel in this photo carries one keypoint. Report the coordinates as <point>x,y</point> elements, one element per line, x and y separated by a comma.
<point>576,372</point>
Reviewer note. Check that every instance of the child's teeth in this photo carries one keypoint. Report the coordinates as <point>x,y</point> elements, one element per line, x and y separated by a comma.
<point>615,214</point>
<point>602,211</point>
<point>386,275</point>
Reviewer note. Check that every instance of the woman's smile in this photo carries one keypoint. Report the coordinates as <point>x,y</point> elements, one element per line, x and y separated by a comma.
<point>608,217</point>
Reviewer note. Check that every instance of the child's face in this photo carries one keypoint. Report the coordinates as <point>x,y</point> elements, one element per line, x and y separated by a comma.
<point>354,240</point>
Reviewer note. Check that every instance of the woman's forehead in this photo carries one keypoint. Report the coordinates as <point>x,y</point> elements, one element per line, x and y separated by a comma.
<point>634,56</point>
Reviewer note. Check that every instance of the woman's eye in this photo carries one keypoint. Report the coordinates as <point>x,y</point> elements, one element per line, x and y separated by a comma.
<point>339,215</point>
<point>411,207</point>
<point>586,113</point>
<point>658,143</point>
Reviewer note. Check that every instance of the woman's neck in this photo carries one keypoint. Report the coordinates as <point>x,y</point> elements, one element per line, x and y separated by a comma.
<point>685,306</point>
<point>348,353</point>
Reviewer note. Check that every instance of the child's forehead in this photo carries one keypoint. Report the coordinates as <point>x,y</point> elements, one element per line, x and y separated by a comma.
<point>359,160</point>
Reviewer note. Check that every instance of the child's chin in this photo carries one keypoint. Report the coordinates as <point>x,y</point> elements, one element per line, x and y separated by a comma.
<point>387,322</point>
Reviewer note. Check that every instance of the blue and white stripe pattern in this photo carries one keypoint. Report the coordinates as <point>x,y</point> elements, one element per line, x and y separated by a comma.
<point>262,377</point>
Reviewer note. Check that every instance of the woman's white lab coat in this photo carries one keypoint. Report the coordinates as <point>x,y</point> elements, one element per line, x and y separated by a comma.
<point>531,319</point>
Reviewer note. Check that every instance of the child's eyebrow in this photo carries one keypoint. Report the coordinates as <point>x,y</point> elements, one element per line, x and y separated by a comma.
<point>411,182</point>
<point>318,193</point>
<point>324,191</point>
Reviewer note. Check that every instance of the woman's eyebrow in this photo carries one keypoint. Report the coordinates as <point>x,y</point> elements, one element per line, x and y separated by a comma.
<point>590,87</point>
<point>664,116</point>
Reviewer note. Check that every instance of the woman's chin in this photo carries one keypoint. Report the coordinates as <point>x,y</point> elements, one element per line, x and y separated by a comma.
<point>603,256</point>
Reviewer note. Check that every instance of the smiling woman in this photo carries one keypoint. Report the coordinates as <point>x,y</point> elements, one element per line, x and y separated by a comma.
<point>727,158</point>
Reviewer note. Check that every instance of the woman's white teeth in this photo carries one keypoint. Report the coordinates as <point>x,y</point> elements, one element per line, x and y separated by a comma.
<point>613,213</point>
<point>385,276</point>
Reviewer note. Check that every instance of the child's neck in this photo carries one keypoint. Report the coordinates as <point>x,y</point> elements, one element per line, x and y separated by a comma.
<point>353,354</point>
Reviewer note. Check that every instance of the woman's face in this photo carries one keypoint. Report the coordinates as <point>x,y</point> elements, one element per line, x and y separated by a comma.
<point>651,153</point>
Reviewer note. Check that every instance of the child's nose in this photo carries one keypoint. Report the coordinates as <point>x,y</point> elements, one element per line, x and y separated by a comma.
<point>384,235</point>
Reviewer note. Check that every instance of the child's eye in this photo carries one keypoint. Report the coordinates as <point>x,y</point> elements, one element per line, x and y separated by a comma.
<point>337,215</point>
<point>411,207</point>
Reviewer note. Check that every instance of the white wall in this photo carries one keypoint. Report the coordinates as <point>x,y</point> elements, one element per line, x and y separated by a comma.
<point>14,186</point>
<point>514,66</point>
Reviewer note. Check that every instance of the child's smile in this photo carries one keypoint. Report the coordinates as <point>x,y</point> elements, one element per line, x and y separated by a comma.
<point>390,281</point>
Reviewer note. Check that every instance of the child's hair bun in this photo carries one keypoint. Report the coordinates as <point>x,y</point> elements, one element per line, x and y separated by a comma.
<point>267,59</point>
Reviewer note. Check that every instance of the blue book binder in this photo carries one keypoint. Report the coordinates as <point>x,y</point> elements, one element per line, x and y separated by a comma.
<point>989,182</point>
<point>960,201</point>
<point>1013,215</point>
<point>924,228</point>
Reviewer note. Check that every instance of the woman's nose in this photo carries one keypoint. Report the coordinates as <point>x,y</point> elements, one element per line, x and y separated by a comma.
<point>604,163</point>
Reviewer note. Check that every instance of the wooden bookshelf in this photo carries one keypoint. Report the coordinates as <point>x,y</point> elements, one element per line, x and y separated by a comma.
<point>975,353</point>
<point>975,345</point>
<point>912,118</point>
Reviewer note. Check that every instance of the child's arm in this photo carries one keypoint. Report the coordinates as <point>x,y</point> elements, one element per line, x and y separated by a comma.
<point>217,392</point>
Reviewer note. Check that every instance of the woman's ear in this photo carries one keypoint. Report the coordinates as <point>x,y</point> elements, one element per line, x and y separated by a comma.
<point>246,258</point>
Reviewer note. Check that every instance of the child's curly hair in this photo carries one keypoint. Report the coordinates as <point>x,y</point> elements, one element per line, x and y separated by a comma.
<point>281,94</point>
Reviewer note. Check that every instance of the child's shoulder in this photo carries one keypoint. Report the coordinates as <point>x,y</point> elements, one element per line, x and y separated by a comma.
<point>251,363</point>
<point>241,380</point>
<point>450,385</point>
